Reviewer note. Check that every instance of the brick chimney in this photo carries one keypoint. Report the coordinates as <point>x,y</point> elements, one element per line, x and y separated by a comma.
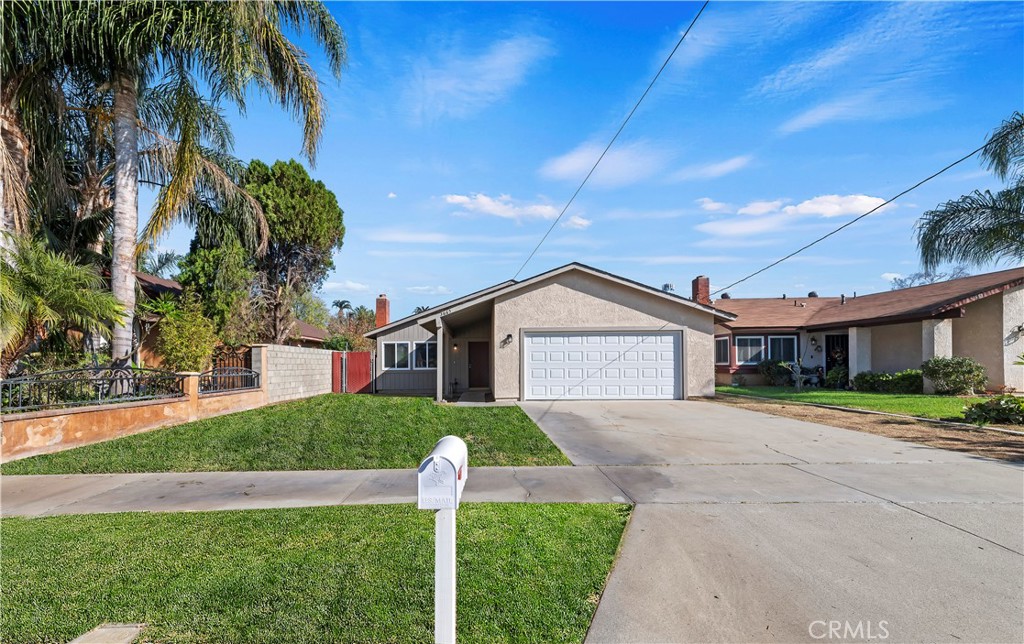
<point>383,310</point>
<point>702,290</point>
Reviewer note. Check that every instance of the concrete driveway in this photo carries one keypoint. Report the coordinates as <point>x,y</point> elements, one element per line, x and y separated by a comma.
<point>757,528</point>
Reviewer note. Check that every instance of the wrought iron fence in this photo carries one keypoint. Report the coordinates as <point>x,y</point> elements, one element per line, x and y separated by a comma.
<point>93,386</point>
<point>222,379</point>
<point>225,356</point>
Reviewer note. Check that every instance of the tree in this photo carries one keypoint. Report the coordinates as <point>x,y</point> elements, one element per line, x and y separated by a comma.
<point>187,338</point>
<point>125,45</point>
<point>40,290</point>
<point>927,277</point>
<point>311,309</point>
<point>342,306</point>
<point>668,287</point>
<point>161,264</point>
<point>306,226</point>
<point>982,227</point>
<point>420,309</point>
<point>223,278</point>
<point>364,316</point>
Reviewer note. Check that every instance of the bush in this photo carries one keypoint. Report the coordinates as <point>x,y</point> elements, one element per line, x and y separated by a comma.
<point>1003,410</point>
<point>955,376</point>
<point>908,381</point>
<point>186,339</point>
<point>837,378</point>
<point>775,372</point>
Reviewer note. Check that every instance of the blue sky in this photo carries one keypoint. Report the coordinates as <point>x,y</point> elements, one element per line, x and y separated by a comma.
<point>458,132</point>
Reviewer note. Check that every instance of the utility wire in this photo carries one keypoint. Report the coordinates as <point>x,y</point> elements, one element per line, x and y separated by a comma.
<point>610,143</point>
<point>859,217</point>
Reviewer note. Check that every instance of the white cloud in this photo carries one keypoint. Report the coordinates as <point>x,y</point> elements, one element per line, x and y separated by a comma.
<point>760,207</point>
<point>392,195</point>
<point>347,286</point>
<point>888,277</point>
<point>577,223</point>
<point>459,85</point>
<point>835,205</point>
<point>502,206</point>
<point>712,170</point>
<point>429,290</point>
<point>623,165</point>
<point>773,216</point>
<point>706,203</point>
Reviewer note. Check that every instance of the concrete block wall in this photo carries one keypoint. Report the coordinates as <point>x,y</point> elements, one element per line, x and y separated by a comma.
<point>293,372</point>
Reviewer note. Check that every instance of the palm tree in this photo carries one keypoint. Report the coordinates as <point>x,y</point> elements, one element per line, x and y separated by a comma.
<point>40,290</point>
<point>126,44</point>
<point>342,306</point>
<point>981,227</point>
<point>420,309</point>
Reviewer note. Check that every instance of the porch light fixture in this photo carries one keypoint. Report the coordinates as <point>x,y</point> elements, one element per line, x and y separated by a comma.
<point>508,338</point>
<point>455,347</point>
<point>814,341</point>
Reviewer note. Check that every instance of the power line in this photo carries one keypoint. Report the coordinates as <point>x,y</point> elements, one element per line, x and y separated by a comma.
<point>859,217</point>
<point>610,143</point>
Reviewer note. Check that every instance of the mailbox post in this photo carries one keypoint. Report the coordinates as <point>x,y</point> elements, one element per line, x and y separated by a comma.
<point>440,479</point>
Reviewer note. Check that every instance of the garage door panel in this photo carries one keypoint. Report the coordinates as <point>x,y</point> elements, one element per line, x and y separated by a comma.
<point>612,366</point>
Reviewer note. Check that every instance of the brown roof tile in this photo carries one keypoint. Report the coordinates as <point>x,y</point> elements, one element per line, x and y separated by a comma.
<point>917,303</point>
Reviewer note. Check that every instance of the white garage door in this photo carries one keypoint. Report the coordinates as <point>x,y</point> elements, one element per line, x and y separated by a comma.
<point>602,366</point>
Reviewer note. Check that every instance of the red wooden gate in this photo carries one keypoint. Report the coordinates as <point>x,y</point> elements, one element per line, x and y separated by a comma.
<point>352,372</point>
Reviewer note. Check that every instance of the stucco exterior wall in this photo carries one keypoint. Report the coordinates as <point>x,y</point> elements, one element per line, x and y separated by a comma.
<point>296,372</point>
<point>1013,337</point>
<point>896,347</point>
<point>979,335</point>
<point>401,381</point>
<point>575,300</point>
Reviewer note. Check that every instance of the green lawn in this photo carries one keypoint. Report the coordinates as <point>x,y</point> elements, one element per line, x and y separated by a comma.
<point>527,573</point>
<point>334,431</point>
<point>948,407</point>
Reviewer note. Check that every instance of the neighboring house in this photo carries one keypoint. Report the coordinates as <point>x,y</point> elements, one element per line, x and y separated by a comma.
<point>305,334</point>
<point>574,332</point>
<point>980,316</point>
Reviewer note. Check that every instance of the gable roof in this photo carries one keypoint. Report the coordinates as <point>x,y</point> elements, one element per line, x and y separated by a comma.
<point>306,331</point>
<point>154,286</point>
<point>903,305</point>
<point>512,285</point>
<point>436,309</point>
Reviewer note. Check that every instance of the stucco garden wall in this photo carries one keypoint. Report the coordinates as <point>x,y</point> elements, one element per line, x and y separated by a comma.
<point>576,300</point>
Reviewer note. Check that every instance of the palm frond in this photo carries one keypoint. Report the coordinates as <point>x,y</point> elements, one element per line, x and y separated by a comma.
<point>974,229</point>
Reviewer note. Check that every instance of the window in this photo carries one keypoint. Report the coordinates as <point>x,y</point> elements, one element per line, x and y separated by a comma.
<point>424,355</point>
<point>721,350</point>
<point>396,355</point>
<point>749,349</point>
<point>782,348</point>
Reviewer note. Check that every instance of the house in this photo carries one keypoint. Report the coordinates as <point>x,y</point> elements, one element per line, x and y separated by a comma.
<point>305,334</point>
<point>574,332</point>
<point>980,316</point>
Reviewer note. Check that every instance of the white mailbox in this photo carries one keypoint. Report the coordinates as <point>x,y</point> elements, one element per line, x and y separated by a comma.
<point>442,475</point>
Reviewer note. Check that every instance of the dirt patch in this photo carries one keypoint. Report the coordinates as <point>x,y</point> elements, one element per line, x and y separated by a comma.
<point>981,442</point>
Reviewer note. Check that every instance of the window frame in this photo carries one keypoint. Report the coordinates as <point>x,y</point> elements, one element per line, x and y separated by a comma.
<point>796,347</point>
<point>415,345</point>
<point>384,356</point>
<point>761,343</point>
<point>728,350</point>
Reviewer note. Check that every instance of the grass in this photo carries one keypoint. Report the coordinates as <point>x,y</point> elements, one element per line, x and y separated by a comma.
<point>325,432</point>
<point>923,406</point>
<point>527,572</point>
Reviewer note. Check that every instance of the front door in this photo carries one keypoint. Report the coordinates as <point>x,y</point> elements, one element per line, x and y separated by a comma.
<point>837,351</point>
<point>479,364</point>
